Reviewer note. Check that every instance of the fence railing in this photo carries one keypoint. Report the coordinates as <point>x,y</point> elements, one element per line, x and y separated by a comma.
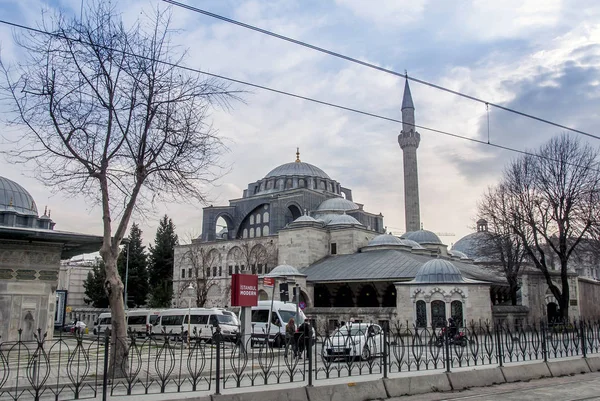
<point>76,366</point>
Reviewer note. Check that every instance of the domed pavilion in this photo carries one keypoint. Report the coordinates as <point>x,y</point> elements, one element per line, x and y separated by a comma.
<point>30,254</point>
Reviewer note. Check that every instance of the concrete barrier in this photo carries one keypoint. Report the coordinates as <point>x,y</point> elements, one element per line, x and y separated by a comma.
<point>568,367</point>
<point>288,394</point>
<point>531,371</point>
<point>429,383</point>
<point>475,378</point>
<point>593,363</point>
<point>352,391</point>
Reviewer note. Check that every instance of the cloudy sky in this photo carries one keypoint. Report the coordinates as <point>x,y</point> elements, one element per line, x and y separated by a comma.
<point>538,56</point>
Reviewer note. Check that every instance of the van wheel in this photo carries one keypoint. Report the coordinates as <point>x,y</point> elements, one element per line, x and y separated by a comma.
<point>277,343</point>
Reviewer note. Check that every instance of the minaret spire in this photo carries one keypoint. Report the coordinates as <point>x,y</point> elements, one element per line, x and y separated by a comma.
<point>409,140</point>
<point>297,155</point>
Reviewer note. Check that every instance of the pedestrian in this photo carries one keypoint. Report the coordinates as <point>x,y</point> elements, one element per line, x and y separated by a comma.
<point>305,336</point>
<point>290,329</point>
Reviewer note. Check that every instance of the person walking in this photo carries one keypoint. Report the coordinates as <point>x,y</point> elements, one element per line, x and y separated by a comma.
<point>290,329</point>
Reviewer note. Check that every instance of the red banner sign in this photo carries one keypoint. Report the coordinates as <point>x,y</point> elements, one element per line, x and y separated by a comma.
<point>268,281</point>
<point>244,290</point>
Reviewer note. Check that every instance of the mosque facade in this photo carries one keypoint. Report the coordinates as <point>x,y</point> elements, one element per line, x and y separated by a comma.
<point>304,228</point>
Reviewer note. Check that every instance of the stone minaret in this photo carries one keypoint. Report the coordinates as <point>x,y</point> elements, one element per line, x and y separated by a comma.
<point>409,140</point>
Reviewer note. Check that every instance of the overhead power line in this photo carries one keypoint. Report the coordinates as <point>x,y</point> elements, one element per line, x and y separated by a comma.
<point>281,92</point>
<point>376,67</point>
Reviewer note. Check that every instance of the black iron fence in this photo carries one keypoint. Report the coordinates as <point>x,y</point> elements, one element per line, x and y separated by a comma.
<point>77,366</point>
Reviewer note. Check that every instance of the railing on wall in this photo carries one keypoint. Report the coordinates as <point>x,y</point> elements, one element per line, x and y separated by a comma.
<point>79,366</point>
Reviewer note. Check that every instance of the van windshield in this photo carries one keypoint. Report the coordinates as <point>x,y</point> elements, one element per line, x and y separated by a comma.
<point>226,319</point>
<point>286,315</point>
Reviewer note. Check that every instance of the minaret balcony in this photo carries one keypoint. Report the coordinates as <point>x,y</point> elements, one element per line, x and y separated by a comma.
<point>409,139</point>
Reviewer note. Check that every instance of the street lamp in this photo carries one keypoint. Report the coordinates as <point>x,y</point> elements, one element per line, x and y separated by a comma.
<point>190,290</point>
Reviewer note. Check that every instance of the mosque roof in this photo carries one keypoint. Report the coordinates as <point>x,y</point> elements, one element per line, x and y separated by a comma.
<point>385,264</point>
<point>423,237</point>
<point>297,168</point>
<point>386,239</point>
<point>438,271</point>
<point>471,245</point>
<point>14,197</point>
<point>337,205</point>
<point>284,270</point>
<point>343,220</point>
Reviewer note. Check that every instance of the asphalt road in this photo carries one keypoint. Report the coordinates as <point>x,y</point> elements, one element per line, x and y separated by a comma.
<point>569,388</point>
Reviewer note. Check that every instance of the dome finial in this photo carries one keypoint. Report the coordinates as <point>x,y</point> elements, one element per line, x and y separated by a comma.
<point>297,155</point>
<point>421,225</point>
<point>10,202</point>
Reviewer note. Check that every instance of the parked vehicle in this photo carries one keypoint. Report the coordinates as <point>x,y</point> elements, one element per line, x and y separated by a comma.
<point>201,323</point>
<point>102,323</point>
<point>141,321</point>
<point>280,316</point>
<point>354,340</point>
<point>75,325</point>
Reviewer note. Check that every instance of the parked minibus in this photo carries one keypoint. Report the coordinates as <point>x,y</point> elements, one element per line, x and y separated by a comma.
<point>280,316</point>
<point>102,323</point>
<point>199,322</point>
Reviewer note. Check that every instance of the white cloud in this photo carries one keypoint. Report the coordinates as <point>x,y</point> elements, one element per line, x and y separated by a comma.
<point>396,12</point>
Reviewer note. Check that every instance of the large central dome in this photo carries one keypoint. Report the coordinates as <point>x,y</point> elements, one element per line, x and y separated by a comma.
<point>299,169</point>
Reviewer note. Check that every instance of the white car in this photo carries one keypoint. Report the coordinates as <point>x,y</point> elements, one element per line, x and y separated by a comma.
<point>354,340</point>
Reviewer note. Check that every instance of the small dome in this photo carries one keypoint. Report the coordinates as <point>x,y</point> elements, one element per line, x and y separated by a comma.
<point>343,220</point>
<point>386,239</point>
<point>14,197</point>
<point>305,219</point>
<point>457,254</point>
<point>297,168</point>
<point>472,244</point>
<point>284,270</point>
<point>337,205</point>
<point>411,243</point>
<point>423,237</point>
<point>438,271</point>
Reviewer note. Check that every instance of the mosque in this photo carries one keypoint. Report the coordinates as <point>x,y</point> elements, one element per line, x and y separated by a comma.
<point>303,227</point>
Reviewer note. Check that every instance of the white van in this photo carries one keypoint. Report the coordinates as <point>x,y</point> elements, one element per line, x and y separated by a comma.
<point>102,323</point>
<point>201,322</point>
<point>141,321</point>
<point>281,314</point>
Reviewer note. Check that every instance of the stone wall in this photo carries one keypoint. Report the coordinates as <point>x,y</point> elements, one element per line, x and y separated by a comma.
<point>28,281</point>
<point>301,247</point>
<point>536,295</point>
<point>589,298</point>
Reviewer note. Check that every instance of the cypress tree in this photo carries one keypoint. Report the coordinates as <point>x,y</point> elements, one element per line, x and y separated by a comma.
<point>161,264</point>
<point>95,294</point>
<point>137,280</point>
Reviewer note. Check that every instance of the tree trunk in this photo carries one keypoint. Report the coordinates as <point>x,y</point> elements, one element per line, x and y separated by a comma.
<point>513,295</point>
<point>119,344</point>
<point>564,299</point>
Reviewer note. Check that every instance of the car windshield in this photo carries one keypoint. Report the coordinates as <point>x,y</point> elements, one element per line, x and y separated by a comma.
<point>354,331</point>
<point>226,319</point>
<point>286,315</point>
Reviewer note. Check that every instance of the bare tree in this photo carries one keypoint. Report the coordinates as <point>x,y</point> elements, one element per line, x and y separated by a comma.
<point>499,244</point>
<point>553,201</point>
<point>256,254</point>
<point>202,261</point>
<point>107,112</point>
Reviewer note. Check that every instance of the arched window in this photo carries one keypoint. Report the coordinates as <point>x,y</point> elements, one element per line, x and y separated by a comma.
<point>245,233</point>
<point>251,232</point>
<point>456,311</point>
<point>265,217</point>
<point>421,314</point>
<point>301,183</point>
<point>266,230</point>
<point>322,297</point>
<point>258,232</point>
<point>288,183</point>
<point>367,298</point>
<point>344,298</point>
<point>262,295</point>
<point>389,297</point>
<point>257,218</point>
<point>438,313</point>
<point>252,219</point>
